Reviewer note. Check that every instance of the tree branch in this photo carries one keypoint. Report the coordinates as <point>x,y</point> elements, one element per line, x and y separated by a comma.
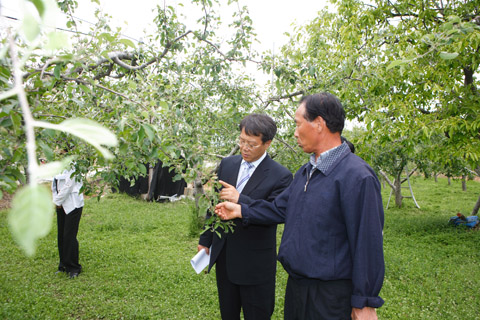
<point>385,176</point>
<point>27,115</point>
<point>286,144</point>
<point>291,95</point>
<point>81,81</point>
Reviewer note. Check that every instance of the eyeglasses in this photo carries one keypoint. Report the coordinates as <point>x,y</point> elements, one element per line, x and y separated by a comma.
<point>244,144</point>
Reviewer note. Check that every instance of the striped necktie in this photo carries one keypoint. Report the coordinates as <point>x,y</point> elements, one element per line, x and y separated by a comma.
<point>245,175</point>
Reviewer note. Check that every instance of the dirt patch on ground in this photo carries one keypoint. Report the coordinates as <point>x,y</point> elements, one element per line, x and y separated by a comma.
<point>5,201</point>
<point>475,178</point>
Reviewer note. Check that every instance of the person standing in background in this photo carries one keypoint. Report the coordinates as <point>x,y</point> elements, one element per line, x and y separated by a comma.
<point>69,205</point>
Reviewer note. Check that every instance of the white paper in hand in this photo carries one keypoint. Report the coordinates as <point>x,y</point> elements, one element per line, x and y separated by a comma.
<point>200,261</point>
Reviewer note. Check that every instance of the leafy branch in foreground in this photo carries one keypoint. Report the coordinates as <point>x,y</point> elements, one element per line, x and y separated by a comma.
<point>30,217</point>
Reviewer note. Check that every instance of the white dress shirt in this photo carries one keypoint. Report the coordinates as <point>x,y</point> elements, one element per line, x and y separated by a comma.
<point>66,191</point>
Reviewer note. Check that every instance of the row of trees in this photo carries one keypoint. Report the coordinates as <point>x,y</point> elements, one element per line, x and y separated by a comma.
<point>407,70</point>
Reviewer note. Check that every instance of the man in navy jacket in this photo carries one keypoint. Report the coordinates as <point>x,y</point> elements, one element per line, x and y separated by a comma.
<point>246,259</point>
<point>332,245</point>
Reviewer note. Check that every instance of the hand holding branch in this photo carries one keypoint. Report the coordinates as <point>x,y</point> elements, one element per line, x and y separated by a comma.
<point>228,192</point>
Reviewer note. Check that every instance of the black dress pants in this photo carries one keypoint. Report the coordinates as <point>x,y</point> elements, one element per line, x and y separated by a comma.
<point>312,299</point>
<point>256,301</point>
<point>67,229</point>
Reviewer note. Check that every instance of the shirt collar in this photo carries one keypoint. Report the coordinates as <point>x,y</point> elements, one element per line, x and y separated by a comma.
<point>256,162</point>
<point>327,158</point>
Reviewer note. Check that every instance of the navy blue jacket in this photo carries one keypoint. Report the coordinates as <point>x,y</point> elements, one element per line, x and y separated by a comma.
<point>333,228</point>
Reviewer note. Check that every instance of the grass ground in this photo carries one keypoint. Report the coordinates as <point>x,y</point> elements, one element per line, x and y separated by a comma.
<point>135,258</point>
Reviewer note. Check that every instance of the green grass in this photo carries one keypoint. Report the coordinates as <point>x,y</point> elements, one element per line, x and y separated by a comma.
<point>431,267</point>
<point>136,263</point>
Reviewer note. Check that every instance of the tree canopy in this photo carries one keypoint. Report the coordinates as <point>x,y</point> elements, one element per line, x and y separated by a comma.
<point>406,70</point>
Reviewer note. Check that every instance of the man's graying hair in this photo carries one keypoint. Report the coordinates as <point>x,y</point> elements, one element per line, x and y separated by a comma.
<point>327,106</point>
<point>259,125</point>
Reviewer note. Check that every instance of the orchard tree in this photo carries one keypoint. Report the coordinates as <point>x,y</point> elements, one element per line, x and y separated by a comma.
<point>407,70</point>
<point>174,98</point>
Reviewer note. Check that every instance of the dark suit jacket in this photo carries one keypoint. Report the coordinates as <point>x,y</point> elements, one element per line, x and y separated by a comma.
<point>252,250</point>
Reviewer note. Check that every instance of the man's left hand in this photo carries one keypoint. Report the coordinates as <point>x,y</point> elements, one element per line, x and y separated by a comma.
<point>365,313</point>
<point>228,192</point>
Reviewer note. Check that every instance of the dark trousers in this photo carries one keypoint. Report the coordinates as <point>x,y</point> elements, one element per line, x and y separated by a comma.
<point>311,299</point>
<point>67,229</point>
<point>257,301</point>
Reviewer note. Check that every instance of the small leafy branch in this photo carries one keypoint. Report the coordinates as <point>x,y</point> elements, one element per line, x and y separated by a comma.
<point>207,203</point>
<point>30,217</point>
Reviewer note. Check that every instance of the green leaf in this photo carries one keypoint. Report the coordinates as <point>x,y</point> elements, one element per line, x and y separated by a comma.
<point>127,42</point>
<point>53,168</point>
<point>448,55</point>
<point>141,135</point>
<point>85,89</point>
<point>16,121</point>
<point>123,148</point>
<point>3,52</point>
<point>30,27</point>
<point>132,85</point>
<point>88,130</point>
<point>56,71</point>
<point>39,5</point>
<point>395,63</point>
<point>454,19</point>
<point>56,40</point>
<point>149,131</point>
<point>31,216</point>
<point>92,132</point>
<point>46,150</point>
<point>143,169</point>
<point>107,37</point>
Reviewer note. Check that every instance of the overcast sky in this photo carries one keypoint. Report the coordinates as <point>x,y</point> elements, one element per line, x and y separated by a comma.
<point>271,18</point>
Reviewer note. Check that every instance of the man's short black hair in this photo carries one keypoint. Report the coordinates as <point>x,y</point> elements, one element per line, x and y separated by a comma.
<point>259,125</point>
<point>327,106</point>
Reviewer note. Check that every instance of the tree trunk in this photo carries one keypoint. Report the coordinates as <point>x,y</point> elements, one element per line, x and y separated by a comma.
<point>435,175</point>
<point>449,181</point>
<point>197,190</point>
<point>464,183</point>
<point>477,207</point>
<point>398,190</point>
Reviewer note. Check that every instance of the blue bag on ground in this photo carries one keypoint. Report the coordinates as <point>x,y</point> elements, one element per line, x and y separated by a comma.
<point>469,222</point>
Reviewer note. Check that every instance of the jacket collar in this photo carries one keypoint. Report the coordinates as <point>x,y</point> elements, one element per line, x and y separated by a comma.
<point>327,160</point>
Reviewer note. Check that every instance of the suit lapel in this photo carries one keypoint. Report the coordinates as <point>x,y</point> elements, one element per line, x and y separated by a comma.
<point>231,173</point>
<point>258,176</point>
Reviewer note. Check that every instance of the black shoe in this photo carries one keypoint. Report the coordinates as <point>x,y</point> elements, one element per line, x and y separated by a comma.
<point>73,275</point>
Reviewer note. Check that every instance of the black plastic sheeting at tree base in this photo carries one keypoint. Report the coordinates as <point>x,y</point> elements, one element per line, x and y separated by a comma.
<point>162,184</point>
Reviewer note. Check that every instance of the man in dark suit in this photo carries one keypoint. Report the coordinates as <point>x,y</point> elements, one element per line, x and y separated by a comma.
<point>246,259</point>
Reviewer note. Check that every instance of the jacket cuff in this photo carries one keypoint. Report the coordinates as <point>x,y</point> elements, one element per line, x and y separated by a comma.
<point>205,244</point>
<point>360,302</point>
<point>245,214</point>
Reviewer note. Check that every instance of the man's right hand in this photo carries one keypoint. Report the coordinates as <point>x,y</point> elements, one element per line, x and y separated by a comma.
<point>200,247</point>
<point>228,192</point>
